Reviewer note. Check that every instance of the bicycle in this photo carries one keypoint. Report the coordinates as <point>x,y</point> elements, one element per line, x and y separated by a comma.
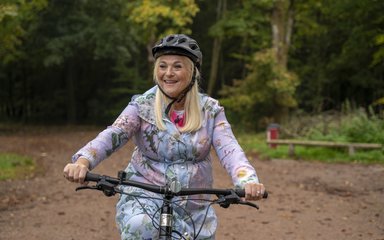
<point>110,186</point>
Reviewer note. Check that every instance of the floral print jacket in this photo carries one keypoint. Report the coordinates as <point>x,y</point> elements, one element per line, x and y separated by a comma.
<point>162,156</point>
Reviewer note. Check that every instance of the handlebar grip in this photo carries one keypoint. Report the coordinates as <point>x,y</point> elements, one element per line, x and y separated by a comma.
<point>241,193</point>
<point>92,177</point>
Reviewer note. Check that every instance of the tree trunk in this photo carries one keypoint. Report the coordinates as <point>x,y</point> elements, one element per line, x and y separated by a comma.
<point>217,43</point>
<point>214,64</point>
<point>282,24</point>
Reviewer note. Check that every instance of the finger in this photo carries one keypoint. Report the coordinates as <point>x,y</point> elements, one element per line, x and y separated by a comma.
<point>254,191</point>
<point>76,174</point>
<point>71,173</point>
<point>82,174</point>
<point>262,189</point>
<point>257,191</point>
<point>248,191</point>
<point>65,171</point>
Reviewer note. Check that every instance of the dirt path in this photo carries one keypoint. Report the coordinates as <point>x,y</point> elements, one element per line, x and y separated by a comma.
<point>307,200</point>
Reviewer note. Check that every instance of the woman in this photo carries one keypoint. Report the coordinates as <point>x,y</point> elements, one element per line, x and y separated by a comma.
<point>174,127</point>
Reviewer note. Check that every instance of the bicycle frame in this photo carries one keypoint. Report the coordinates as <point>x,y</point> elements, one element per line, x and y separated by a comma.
<point>108,185</point>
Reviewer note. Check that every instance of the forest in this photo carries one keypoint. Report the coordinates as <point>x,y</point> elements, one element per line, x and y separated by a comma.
<point>80,62</point>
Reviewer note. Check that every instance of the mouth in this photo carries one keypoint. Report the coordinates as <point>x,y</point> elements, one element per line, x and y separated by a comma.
<point>170,81</point>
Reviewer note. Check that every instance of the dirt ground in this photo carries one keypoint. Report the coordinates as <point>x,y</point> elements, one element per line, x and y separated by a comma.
<point>307,200</point>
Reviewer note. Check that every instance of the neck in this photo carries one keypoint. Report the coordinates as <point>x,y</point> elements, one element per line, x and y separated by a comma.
<point>179,106</point>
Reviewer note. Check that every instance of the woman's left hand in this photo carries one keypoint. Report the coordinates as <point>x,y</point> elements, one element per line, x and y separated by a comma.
<point>254,191</point>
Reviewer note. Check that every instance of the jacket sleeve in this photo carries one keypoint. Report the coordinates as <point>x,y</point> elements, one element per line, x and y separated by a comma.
<point>230,153</point>
<point>112,138</point>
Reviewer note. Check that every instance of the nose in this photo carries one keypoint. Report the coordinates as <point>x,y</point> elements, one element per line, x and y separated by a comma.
<point>169,71</point>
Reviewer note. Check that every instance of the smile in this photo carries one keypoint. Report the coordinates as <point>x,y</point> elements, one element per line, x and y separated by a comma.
<point>170,81</point>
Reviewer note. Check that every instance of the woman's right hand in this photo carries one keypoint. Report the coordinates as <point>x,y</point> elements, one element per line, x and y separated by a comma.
<point>75,172</point>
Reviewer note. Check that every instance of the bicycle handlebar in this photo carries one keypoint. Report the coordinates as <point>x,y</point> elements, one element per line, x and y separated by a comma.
<point>225,197</point>
<point>93,177</point>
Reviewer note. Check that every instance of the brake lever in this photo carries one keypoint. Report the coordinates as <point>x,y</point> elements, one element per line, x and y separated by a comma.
<point>86,187</point>
<point>226,201</point>
<point>107,188</point>
<point>249,204</point>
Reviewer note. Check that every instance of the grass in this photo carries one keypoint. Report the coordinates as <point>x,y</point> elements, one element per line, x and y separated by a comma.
<point>13,166</point>
<point>255,143</point>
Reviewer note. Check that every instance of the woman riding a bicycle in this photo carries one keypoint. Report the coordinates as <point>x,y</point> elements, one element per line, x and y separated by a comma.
<point>173,126</point>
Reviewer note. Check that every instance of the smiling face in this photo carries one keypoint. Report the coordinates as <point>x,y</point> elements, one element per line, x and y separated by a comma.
<point>173,73</point>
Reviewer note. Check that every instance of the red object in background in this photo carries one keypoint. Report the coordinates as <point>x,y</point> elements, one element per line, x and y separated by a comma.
<point>273,133</point>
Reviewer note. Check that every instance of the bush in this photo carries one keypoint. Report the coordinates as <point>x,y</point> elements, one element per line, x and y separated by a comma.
<point>356,126</point>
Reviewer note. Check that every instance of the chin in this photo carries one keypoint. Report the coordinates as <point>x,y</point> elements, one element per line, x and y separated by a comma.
<point>170,92</point>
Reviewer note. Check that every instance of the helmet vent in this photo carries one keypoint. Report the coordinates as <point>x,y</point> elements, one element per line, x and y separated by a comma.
<point>193,46</point>
<point>183,40</point>
<point>170,38</point>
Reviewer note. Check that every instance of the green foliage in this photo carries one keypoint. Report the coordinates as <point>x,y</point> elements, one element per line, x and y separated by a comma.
<point>336,45</point>
<point>266,91</point>
<point>91,28</point>
<point>378,56</point>
<point>353,126</point>
<point>155,18</point>
<point>15,166</point>
<point>77,53</point>
<point>254,144</point>
<point>246,20</point>
<point>85,59</point>
<point>13,29</point>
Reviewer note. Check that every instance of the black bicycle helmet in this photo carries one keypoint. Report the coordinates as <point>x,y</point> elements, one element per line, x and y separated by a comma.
<point>179,44</point>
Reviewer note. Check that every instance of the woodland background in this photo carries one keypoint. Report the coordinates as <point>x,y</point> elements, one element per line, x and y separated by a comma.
<point>80,61</point>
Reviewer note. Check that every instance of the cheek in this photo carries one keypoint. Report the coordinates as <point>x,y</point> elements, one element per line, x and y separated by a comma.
<point>158,78</point>
<point>185,79</point>
<point>158,74</point>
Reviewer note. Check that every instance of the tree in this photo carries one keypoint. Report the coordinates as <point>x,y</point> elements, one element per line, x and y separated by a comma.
<point>155,18</point>
<point>16,18</point>
<point>334,54</point>
<point>268,85</point>
<point>241,31</point>
<point>13,15</point>
<point>89,32</point>
<point>258,99</point>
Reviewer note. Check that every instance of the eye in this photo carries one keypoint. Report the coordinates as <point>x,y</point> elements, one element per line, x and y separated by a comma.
<point>178,66</point>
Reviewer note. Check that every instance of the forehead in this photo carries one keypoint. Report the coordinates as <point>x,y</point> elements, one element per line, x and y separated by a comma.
<point>173,58</point>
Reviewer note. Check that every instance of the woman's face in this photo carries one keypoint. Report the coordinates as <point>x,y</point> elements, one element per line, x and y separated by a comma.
<point>173,73</point>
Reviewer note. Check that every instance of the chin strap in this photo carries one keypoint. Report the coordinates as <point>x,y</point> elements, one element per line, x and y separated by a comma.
<point>182,94</point>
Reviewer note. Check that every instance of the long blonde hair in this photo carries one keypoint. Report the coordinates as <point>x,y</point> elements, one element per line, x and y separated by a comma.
<point>193,114</point>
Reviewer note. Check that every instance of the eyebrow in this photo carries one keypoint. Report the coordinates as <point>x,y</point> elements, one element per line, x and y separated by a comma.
<point>177,61</point>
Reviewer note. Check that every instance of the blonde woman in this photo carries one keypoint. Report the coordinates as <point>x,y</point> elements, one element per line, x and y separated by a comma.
<point>174,127</point>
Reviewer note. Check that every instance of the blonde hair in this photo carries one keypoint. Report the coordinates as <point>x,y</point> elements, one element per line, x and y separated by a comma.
<point>192,108</point>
